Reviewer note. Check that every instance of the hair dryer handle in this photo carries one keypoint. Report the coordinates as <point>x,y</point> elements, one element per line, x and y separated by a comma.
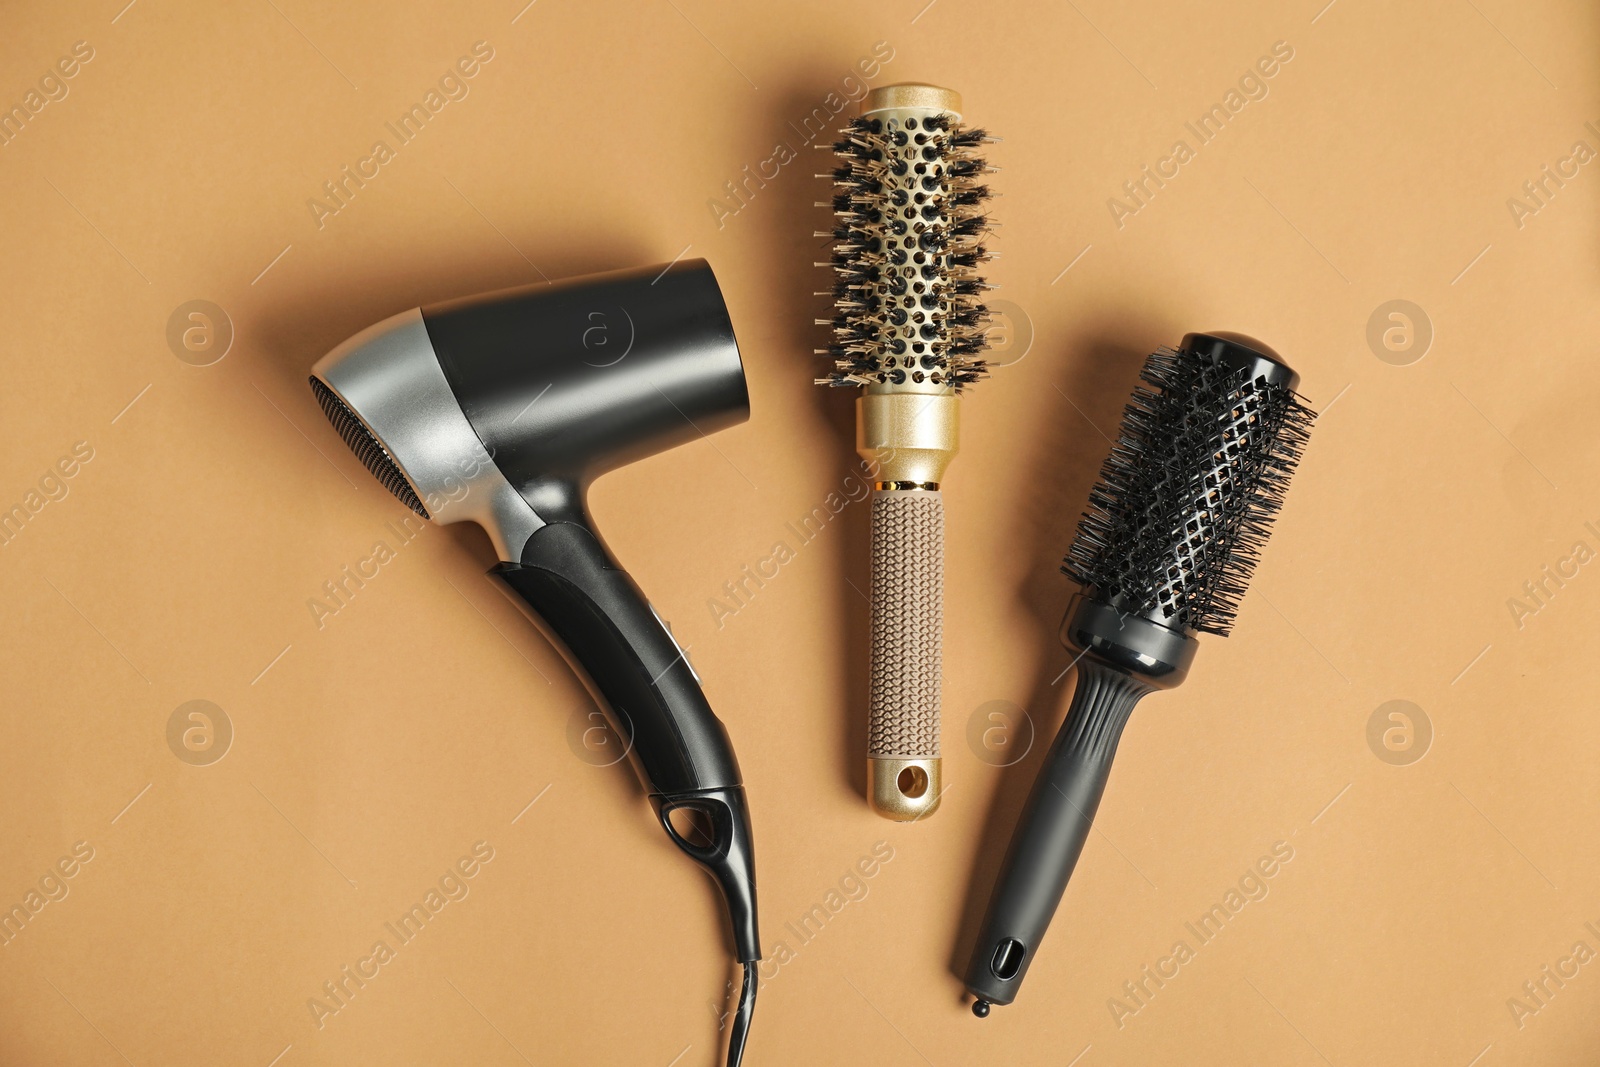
<point>595,614</point>
<point>617,644</point>
<point>1054,826</point>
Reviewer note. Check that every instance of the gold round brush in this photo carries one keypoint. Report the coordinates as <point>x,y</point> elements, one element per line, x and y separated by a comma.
<point>908,327</point>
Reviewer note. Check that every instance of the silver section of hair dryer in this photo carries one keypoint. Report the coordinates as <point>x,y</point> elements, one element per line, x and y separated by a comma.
<point>388,375</point>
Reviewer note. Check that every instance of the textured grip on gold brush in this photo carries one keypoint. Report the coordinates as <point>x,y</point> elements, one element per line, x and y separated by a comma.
<point>907,631</point>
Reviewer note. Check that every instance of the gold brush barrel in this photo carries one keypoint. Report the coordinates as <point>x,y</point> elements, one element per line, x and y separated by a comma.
<point>907,327</point>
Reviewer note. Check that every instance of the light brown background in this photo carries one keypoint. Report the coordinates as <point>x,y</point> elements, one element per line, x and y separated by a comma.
<point>426,715</point>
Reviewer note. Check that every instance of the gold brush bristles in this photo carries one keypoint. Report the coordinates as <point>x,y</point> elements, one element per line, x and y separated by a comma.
<point>908,241</point>
<point>909,326</point>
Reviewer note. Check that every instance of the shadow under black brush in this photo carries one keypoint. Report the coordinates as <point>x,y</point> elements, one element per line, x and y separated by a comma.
<point>1064,467</point>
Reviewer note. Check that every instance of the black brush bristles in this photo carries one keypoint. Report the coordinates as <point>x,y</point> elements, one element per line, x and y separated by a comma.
<point>907,244</point>
<point>1188,495</point>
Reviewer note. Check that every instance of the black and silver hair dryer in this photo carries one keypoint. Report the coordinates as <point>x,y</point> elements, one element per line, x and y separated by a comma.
<point>500,410</point>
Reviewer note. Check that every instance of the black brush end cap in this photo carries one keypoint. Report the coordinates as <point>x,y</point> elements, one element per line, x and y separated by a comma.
<point>1239,350</point>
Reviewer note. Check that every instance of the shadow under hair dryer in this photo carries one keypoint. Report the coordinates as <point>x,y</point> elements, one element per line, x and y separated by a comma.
<point>500,410</point>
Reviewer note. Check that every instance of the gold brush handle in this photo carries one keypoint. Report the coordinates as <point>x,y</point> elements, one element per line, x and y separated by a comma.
<point>907,635</point>
<point>909,439</point>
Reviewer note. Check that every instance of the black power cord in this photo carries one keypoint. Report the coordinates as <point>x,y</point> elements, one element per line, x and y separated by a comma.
<point>742,1016</point>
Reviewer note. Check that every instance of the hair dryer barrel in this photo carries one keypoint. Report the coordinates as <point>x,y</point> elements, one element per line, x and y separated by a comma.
<point>564,382</point>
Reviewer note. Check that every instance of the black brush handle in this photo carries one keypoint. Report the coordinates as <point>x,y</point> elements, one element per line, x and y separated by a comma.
<point>1050,835</point>
<point>595,614</point>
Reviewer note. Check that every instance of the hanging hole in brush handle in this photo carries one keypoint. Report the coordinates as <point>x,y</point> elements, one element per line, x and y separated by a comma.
<point>614,641</point>
<point>1051,833</point>
<point>907,632</point>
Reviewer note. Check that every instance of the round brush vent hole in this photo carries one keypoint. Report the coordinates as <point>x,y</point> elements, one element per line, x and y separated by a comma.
<point>691,826</point>
<point>913,782</point>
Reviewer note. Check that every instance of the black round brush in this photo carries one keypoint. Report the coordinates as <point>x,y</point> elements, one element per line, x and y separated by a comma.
<point>1166,549</point>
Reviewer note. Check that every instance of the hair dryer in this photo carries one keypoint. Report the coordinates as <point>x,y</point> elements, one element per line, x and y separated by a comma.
<point>501,409</point>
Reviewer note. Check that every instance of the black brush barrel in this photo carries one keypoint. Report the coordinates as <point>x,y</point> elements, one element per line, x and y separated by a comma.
<point>1186,499</point>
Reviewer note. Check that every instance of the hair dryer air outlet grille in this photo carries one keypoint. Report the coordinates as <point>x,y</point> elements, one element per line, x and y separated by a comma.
<point>366,447</point>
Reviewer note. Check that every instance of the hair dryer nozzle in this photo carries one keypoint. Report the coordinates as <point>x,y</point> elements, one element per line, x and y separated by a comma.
<point>384,392</point>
